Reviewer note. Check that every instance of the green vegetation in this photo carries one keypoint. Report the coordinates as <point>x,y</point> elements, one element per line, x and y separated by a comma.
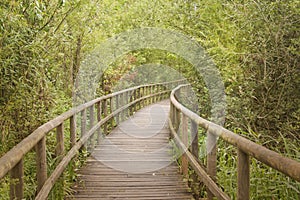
<point>255,45</point>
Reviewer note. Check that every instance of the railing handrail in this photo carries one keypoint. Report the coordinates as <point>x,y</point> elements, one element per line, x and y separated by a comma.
<point>10,159</point>
<point>274,160</point>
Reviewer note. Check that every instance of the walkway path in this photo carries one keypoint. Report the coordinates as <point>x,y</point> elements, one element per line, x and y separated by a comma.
<point>134,161</point>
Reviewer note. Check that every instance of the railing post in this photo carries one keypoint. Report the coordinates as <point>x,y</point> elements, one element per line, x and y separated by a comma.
<point>92,121</point>
<point>17,184</point>
<point>60,148</point>
<point>138,96</point>
<point>117,107</point>
<point>211,148</point>
<point>184,159</point>
<point>194,136</point>
<point>99,119</point>
<point>73,130</point>
<point>122,118</point>
<point>243,191</point>
<point>83,122</point>
<point>126,101</point>
<point>41,163</point>
<point>105,114</point>
<point>111,111</point>
<point>176,119</point>
<point>144,94</point>
<point>92,118</point>
<point>151,92</point>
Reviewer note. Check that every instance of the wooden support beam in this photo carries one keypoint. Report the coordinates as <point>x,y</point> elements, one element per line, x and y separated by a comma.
<point>243,190</point>
<point>41,163</point>
<point>184,159</point>
<point>60,147</point>
<point>99,112</point>
<point>73,130</point>
<point>194,137</point>
<point>17,181</point>
<point>83,122</point>
<point>211,148</point>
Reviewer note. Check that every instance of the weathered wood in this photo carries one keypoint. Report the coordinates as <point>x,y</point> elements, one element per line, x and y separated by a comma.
<point>104,102</point>
<point>73,130</point>
<point>92,117</point>
<point>17,181</point>
<point>283,164</point>
<point>91,141</point>
<point>99,112</point>
<point>184,159</point>
<point>211,148</point>
<point>117,107</point>
<point>60,147</point>
<point>205,178</point>
<point>243,190</point>
<point>41,163</point>
<point>110,100</point>
<point>11,158</point>
<point>177,119</point>
<point>122,102</point>
<point>15,155</point>
<point>100,179</point>
<point>194,136</point>
<point>83,122</point>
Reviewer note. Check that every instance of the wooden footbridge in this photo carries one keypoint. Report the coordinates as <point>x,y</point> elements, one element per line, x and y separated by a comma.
<point>132,136</point>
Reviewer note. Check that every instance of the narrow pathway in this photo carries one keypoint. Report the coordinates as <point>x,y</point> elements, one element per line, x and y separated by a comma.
<point>134,161</point>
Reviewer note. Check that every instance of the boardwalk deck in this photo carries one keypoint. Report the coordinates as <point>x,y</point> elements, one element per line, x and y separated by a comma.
<point>134,162</point>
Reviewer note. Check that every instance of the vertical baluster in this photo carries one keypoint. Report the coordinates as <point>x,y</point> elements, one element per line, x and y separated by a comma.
<point>83,122</point>
<point>135,96</point>
<point>138,96</point>
<point>122,116</point>
<point>151,92</point>
<point>111,121</point>
<point>73,130</point>
<point>105,114</point>
<point>99,119</point>
<point>117,107</point>
<point>60,147</point>
<point>171,115</point>
<point>92,121</point>
<point>243,191</point>
<point>211,149</point>
<point>17,184</point>
<point>194,136</point>
<point>184,159</point>
<point>41,162</point>
<point>92,117</point>
<point>144,94</point>
<point>177,119</point>
<point>126,100</point>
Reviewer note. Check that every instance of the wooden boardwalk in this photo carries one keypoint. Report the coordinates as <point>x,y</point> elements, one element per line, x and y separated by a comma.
<point>134,161</point>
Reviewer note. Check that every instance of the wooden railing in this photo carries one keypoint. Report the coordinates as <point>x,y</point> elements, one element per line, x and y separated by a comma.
<point>179,122</point>
<point>116,106</point>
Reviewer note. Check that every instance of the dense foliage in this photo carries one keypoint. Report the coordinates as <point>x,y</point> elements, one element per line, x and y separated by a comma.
<point>255,45</point>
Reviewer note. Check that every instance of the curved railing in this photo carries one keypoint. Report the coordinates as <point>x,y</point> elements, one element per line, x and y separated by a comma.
<point>116,106</point>
<point>179,114</point>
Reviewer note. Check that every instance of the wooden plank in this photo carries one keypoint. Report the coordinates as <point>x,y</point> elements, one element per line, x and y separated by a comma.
<point>154,175</point>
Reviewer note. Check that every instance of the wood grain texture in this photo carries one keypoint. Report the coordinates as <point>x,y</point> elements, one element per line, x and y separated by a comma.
<point>134,162</point>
